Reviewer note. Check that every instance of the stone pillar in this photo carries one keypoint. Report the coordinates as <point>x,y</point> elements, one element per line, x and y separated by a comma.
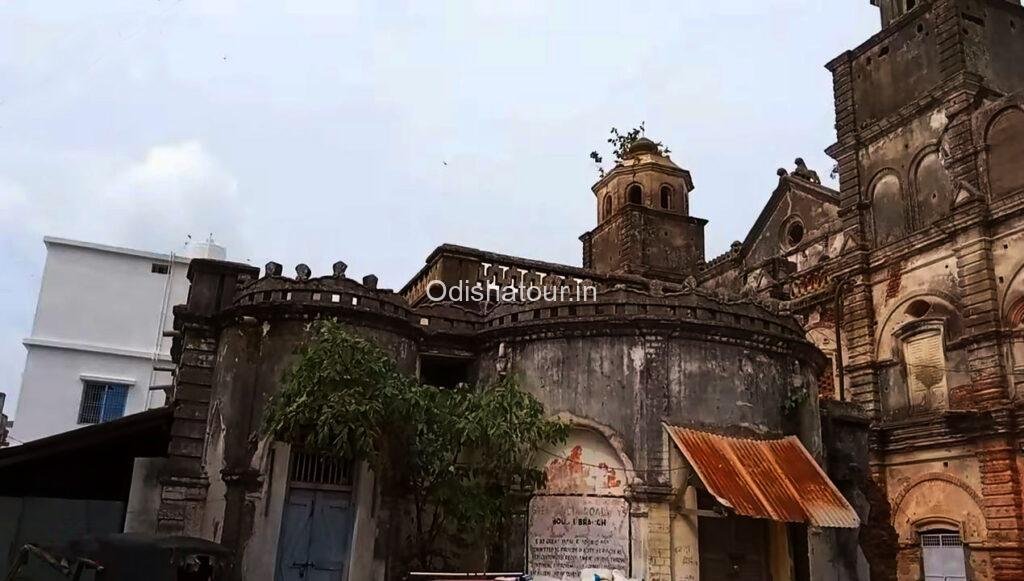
<point>651,534</point>
<point>659,542</point>
<point>845,150</point>
<point>977,284</point>
<point>858,307</point>
<point>184,482</point>
<point>779,552</point>
<point>859,329</point>
<point>685,558</point>
<point>1001,490</point>
<point>630,241</point>
<point>588,250</point>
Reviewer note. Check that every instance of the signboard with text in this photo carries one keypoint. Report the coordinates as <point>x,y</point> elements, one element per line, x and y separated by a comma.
<point>570,533</point>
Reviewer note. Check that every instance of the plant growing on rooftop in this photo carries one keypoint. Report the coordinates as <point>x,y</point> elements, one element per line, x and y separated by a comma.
<point>621,142</point>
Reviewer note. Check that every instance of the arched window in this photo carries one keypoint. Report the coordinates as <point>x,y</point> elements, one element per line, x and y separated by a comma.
<point>924,358</point>
<point>1015,320</point>
<point>1005,151</point>
<point>666,197</point>
<point>919,308</point>
<point>934,189</point>
<point>889,210</point>
<point>607,206</point>
<point>635,194</point>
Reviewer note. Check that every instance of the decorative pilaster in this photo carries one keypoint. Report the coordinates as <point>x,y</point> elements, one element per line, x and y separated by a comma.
<point>184,481</point>
<point>859,327</point>
<point>1001,489</point>
<point>977,282</point>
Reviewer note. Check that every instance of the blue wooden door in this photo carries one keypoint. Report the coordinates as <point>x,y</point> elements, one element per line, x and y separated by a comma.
<point>316,536</point>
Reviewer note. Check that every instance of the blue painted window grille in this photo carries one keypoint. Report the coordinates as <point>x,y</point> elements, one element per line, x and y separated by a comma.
<point>102,402</point>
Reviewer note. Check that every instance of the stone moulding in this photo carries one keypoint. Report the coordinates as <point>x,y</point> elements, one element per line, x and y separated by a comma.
<point>974,529</point>
<point>682,311</point>
<point>899,497</point>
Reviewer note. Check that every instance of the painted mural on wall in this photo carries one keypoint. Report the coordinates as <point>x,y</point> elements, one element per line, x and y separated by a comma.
<point>584,464</point>
<point>580,521</point>
<point>570,533</point>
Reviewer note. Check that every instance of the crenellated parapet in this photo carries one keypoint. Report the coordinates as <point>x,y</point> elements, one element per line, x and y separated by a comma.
<point>303,292</point>
<point>459,264</point>
<point>684,313</point>
<point>723,262</point>
<point>594,303</point>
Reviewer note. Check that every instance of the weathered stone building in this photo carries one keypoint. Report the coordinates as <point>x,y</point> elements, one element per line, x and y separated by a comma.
<point>697,432</point>
<point>693,384</point>
<point>922,251</point>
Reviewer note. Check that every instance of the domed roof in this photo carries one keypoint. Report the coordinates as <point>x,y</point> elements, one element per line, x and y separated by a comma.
<point>643,154</point>
<point>643,145</point>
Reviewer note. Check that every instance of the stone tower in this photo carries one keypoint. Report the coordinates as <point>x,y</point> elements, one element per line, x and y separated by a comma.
<point>643,218</point>
<point>930,138</point>
<point>892,10</point>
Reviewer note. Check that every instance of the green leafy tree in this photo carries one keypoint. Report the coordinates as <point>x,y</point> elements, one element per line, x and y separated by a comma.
<point>460,458</point>
<point>337,397</point>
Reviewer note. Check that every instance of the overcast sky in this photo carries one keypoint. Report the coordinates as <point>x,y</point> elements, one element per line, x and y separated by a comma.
<point>372,131</point>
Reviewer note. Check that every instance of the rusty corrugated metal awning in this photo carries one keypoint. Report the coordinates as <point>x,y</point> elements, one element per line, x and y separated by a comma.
<point>772,479</point>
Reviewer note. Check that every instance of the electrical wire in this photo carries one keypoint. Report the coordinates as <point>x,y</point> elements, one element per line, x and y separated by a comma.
<point>658,470</point>
<point>670,470</point>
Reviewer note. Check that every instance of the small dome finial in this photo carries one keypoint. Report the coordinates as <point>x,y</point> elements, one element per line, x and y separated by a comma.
<point>643,145</point>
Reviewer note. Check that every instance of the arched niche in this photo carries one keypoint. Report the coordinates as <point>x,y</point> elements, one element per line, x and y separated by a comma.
<point>1013,300</point>
<point>1005,142</point>
<point>1015,314</point>
<point>666,197</point>
<point>591,461</point>
<point>934,188</point>
<point>635,194</point>
<point>823,337</point>
<point>909,309</point>
<point>888,209</point>
<point>938,499</point>
<point>1014,321</point>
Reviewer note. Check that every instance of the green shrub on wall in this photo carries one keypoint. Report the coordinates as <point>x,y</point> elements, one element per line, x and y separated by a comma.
<point>461,457</point>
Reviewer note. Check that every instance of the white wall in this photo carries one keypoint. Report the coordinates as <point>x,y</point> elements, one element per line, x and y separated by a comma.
<point>103,298</point>
<point>100,315</point>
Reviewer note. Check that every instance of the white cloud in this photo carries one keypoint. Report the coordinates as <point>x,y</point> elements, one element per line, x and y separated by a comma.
<point>149,203</point>
<point>175,190</point>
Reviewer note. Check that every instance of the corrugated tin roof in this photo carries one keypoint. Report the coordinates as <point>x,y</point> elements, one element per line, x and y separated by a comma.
<point>772,479</point>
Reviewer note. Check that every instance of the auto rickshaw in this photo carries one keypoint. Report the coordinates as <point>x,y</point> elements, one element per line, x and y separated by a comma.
<point>128,557</point>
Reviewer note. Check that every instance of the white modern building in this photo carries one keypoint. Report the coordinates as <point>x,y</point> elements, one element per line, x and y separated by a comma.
<point>3,420</point>
<point>97,349</point>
